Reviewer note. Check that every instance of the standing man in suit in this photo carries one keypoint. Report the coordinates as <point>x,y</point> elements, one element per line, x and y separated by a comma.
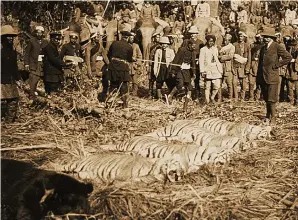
<point>33,59</point>
<point>268,71</point>
<point>9,94</point>
<point>120,56</point>
<point>53,64</point>
<point>241,65</point>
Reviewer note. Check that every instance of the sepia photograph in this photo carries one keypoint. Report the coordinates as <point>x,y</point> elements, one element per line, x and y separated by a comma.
<point>149,110</point>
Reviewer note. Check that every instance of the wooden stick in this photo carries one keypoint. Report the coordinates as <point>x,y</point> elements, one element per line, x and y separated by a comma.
<point>41,146</point>
<point>106,8</point>
<point>55,123</point>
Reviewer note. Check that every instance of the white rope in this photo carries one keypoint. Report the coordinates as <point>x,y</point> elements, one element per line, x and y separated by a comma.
<point>151,61</point>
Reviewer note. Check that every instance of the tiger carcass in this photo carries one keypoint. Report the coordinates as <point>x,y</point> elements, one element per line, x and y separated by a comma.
<point>186,132</point>
<point>241,130</point>
<point>195,155</point>
<point>109,167</point>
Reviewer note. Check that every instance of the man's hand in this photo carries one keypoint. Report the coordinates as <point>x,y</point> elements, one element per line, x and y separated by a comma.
<point>19,83</point>
<point>27,68</point>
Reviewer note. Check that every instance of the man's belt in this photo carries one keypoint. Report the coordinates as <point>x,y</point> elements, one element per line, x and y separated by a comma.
<point>118,59</point>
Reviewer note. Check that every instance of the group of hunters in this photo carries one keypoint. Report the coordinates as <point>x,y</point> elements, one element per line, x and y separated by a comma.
<point>262,69</point>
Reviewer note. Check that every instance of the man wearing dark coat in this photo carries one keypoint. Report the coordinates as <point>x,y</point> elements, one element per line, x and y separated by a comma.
<point>120,55</point>
<point>192,35</point>
<point>149,55</point>
<point>268,71</point>
<point>33,59</point>
<point>186,59</point>
<point>9,74</point>
<point>71,52</point>
<point>53,64</point>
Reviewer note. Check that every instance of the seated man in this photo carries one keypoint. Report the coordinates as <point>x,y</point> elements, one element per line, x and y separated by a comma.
<point>179,25</point>
<point>242,15</point>
<point>147,11</point>
<point>203,9</point>
<point>125,24</point>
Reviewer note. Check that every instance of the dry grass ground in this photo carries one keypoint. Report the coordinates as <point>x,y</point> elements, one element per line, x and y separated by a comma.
<point>260,183</point>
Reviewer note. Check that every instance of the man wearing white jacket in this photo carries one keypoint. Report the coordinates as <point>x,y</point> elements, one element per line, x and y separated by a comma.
<point>162,59</point>
<point>210,68</point>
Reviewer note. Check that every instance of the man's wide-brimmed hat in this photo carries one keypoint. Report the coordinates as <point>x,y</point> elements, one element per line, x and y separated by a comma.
<point>8,30</point>
<point>269,32</point>
<point>164,40</point>
<point>193,30</point>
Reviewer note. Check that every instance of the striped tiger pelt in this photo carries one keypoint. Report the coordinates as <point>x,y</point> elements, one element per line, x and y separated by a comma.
<point>186,132</point>
<point>109,167</point>
<point>195,155</point>
<point>241,130</point>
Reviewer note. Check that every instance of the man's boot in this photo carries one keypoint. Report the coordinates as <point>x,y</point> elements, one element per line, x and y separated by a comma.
<point>186,100</point>
<point>235,93</point>
<point>251,92</point>
<point>134,89</point>
<point>273,113</point>
<point>258,94</point>
<point>219,95</point>
<point>3,108</point>
<point>242,95</point>
<point>12,108</point>
<point>230,91</point>
<point>172,93</point>
<point>125,101</point>
<point>268,110</point>
<point>185,104</point>
<point>158,94</point>
<point>214,92</point>
<point>151,83</point>
<point>207,96</point>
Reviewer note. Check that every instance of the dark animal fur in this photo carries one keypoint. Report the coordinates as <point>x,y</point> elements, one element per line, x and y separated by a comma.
<point>23,186</point>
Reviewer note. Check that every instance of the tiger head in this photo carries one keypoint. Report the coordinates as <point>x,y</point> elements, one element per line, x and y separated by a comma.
<point>172,168</point>
<point>258,132</point>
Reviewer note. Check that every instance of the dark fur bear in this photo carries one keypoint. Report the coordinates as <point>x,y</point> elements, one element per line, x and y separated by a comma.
<point>29,193</point>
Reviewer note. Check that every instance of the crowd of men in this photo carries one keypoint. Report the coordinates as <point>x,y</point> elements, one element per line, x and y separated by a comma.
<point>262,69</point>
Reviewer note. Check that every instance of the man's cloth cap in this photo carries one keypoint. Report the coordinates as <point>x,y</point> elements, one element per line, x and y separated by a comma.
<point>127,33</point>
<point>56,35</point>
